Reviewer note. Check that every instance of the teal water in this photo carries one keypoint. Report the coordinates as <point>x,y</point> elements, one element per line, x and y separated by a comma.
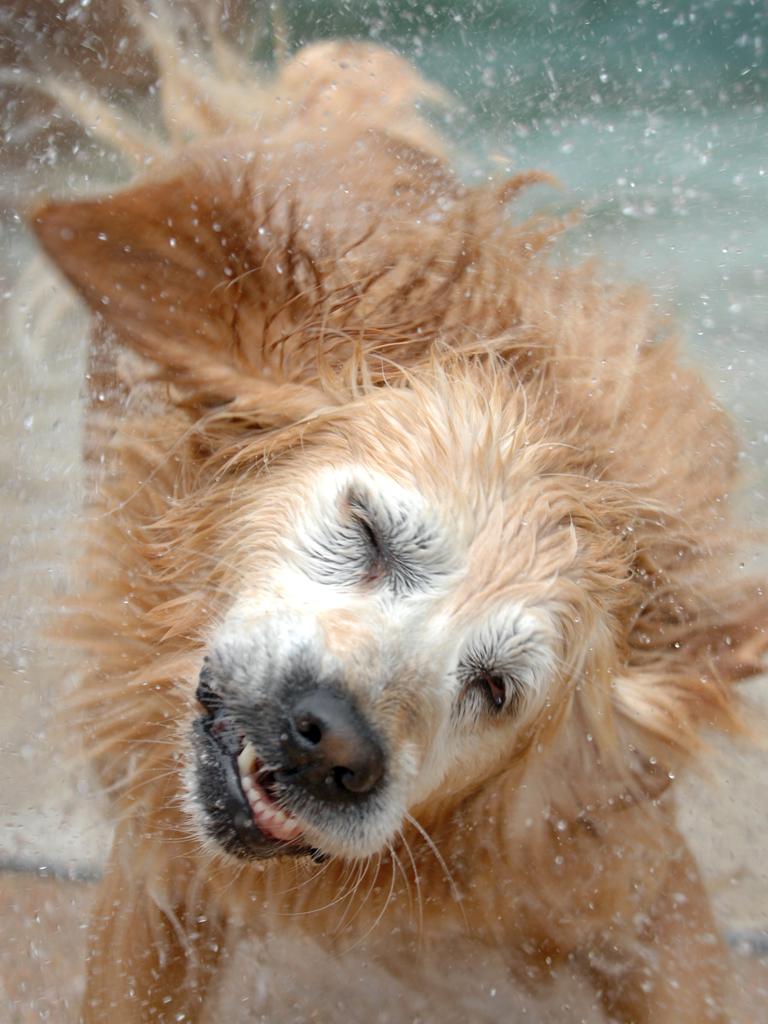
<point>654,116</point>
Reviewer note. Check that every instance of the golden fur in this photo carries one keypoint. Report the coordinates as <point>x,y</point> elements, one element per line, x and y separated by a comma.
<point>300,281</point>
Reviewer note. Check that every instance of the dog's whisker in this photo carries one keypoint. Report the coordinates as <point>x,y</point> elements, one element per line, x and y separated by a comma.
<point>371,866</point>
<point>385,906</point>
<point>315,874</point>
<point>344,893</point>
<point>403,874</point>
<point>456,895</point>
<point>416,880</point>
<point>350,885</point>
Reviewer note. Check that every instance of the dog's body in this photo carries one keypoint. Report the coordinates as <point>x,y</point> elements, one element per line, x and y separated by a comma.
<point>437,534</point>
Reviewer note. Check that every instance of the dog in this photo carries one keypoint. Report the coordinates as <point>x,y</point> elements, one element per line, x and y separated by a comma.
<point>409,580</point>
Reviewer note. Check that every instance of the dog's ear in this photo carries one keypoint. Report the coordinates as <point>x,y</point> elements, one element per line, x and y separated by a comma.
<point>183,269</point>
<point>238,270</point>
<point>688,684</point>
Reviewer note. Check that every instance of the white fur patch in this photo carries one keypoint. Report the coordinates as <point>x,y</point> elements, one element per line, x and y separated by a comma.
<point>410,640</point>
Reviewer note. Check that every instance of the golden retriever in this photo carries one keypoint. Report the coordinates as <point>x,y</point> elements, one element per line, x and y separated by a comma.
<point>409,582</point>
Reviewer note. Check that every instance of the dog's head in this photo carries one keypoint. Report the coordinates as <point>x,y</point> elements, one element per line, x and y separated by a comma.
<point>413,592</point>
<point>432,505</point>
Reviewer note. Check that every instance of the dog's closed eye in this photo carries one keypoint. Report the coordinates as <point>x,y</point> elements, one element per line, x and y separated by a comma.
<point>366,539</point>
<point>397,543</point>
<point>348,549</point>
<point>373,538</point>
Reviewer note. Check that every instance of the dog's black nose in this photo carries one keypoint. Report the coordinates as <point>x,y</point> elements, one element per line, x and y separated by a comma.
<point>329,749</point>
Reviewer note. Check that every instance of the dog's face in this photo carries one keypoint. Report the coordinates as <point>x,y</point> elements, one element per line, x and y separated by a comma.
<point>411,592</point>
<point>412,597</point>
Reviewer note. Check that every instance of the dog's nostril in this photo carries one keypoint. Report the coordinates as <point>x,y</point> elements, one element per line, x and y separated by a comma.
<point>329,749</point>
<point>360,781</point>
<point>310,729</point>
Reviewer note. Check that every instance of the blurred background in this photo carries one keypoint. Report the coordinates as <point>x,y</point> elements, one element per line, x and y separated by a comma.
<point>653,116</point>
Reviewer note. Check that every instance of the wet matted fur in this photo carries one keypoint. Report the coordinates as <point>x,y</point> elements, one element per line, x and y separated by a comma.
<point>352,431</point>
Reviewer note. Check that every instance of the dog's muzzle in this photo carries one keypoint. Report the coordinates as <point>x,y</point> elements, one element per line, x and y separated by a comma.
<point>266,773</point>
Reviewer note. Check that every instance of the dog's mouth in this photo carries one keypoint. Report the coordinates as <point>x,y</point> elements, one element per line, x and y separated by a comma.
<point>276,778</point>
<point>257,785</point>
<point>238,794</point>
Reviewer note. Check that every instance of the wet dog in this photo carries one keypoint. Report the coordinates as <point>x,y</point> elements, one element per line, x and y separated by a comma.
<point>408,583</point>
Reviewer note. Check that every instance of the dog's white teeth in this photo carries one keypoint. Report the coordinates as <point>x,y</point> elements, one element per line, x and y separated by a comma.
<point>281,827</point>
<point>268,816</point>
<point>246,760</point>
